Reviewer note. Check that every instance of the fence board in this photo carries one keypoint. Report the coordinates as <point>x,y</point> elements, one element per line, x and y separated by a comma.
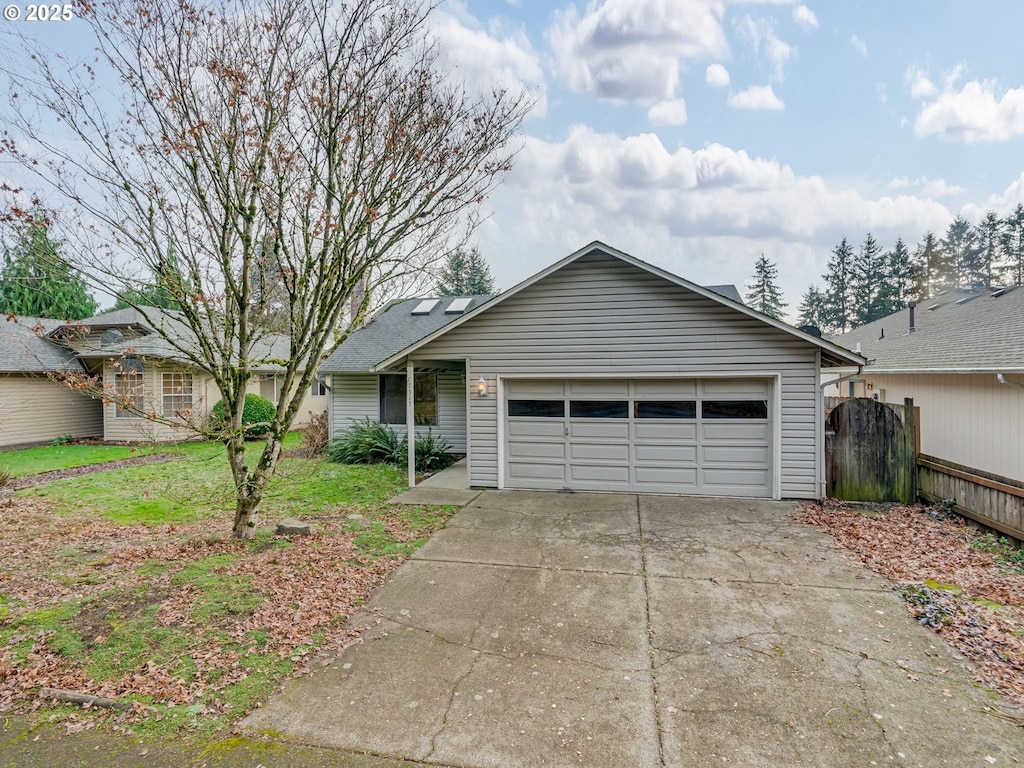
<point>993,501</point>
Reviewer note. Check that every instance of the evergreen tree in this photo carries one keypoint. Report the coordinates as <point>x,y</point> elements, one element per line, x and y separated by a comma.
<point>865,281</point>
<point>764,294</point>
<point>465,273</point>
<point>1011,248</point>
<point>988,232</point>
<point>36,281</point>
<point>158,291</point>
<point>837,315</point>
<point>899,280</point>
<point>960,252</point>
<point>812,308</point>
<point>932,271</point>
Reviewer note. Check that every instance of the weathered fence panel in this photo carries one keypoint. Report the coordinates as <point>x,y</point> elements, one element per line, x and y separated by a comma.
<point>870,452</point>
<point>993,501</point>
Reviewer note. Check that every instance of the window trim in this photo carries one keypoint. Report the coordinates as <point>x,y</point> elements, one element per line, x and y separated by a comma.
<point>129,371</point>
<point>185,377</point>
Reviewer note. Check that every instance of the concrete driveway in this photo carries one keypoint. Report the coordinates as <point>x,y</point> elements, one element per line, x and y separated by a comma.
<point>545,629</point>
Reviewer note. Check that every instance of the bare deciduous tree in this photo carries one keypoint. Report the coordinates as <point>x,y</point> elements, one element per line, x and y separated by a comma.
<point>315,141</point>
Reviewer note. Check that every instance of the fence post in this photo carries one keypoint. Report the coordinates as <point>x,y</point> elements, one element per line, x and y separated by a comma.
<point>910,426</point>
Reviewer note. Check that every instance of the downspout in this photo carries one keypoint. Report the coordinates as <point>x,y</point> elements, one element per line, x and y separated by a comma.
<point>1003,380</point>
<point>841,379</point>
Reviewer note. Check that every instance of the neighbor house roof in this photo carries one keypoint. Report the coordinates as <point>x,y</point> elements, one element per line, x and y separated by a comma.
<point>958,331</point>
<point>24,348</point>
<point>392,329</point>
<point>832,355</point>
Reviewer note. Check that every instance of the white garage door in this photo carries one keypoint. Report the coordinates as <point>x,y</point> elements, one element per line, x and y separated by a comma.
<point>708,437</point>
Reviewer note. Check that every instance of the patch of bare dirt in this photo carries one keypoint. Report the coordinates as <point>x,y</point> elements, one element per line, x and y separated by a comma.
<point>972,598</point>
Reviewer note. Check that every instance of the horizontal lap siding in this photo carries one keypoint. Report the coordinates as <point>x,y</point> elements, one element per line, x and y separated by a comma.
<point>355,397</point>
<point>600,316</point>
<point>34,409</point>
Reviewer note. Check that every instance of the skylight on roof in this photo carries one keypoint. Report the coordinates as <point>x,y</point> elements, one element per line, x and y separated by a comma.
<point>424,307</point>
<point>458,306</point>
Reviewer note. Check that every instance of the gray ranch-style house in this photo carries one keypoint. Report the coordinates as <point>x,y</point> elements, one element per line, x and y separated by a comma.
<point>599,373</point>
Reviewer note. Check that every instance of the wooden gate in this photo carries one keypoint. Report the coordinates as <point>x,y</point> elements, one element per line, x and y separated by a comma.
<point>871,452</point>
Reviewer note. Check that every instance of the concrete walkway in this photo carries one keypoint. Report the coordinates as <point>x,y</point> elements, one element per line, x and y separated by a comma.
<point>544,629</point>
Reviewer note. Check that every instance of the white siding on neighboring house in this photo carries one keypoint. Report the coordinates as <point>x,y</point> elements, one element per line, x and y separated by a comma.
<point>356,396</point>
<point>969,419</point>
<point>126,428</point>
<point>268,386</point>
<point>601,317</point>
<point>34,409</point>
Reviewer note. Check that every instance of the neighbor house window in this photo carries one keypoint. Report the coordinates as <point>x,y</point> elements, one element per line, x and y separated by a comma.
<point>177,394</point>
<point>319,388</point>
<point>392,399</point>
<point>128,387</point>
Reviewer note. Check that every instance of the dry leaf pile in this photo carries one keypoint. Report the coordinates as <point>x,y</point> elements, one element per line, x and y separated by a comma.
<point>970,597</point>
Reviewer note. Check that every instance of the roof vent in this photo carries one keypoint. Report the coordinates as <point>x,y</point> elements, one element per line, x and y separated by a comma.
<point>110,337</point>
<point>458,306</point>
<point>424,307</point>
<point>964,300</point>
<point>999,292</point>
<point>933,307</point>
<point>811,329</point>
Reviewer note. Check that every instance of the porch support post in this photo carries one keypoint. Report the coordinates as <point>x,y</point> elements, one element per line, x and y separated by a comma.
<point>410,419</point>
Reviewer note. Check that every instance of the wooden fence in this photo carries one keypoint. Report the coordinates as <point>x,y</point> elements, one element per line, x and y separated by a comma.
<point>994,501</point>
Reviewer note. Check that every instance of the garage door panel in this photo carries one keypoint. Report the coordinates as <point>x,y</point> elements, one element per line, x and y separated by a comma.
<point>664,454</point>
<point>733,455</point>
<point>527,450</point>
<point>526,429</point>
<point>654,389</point>
<point>598,388</point>
<point>665,477</point>
<point>611,452</point>
<point>531,472</point>
<point>538,388</point>
<point>604,474</point>
<point>734,478</point>
<point>736,432</point>
<point>722,389</point>
<point>662,431</point>
<point>608,430</point>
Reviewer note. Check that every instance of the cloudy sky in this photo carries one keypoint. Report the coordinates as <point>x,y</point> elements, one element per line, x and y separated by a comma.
<point>699,134</point>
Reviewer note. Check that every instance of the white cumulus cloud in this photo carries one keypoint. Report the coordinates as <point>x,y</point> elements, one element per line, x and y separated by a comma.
<point>975,112</point>
<point>756,97</point>
<point>859,45</point>
<point>761,35</point>
<point>716,76</point>
<point>668,112</point>
<point>805,17</point>
<point>631,50</point>
<point>921,87</point>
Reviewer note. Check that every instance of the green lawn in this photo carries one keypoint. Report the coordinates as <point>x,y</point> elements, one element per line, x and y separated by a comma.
<point>179,618</point>
<point>32,461</point>
<point>197,484</point>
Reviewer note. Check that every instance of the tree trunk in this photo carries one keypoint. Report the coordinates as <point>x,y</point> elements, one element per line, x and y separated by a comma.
<point>246,516</point>
<point>250,484</point>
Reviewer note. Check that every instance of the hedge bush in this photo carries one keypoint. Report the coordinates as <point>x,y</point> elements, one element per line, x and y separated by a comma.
<point>257,415</point>
<point>371,442</point>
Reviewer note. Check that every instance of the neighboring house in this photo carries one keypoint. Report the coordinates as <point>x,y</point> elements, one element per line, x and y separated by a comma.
<point>127,355</point>
<point>600,373</point>
<point>33,407</point>
<point>962,342</point>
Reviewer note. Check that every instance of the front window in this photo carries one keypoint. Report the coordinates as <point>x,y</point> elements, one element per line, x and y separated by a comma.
<point>392,399</point>
<point>319,387</point>
<point>177,394</point>
<point>128,387</point>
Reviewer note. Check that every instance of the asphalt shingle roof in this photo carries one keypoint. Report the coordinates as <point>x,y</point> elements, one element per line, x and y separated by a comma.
<point>983,332</point>
<point>22,350</point>
<point>392,330</point>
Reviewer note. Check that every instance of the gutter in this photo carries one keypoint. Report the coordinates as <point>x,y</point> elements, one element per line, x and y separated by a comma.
<point>841,379</point>
<point>1003,380</point>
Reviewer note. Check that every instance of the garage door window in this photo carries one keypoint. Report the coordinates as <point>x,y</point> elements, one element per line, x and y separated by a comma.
<point>544,409</point>
<point>734,409</point>
<point>599,409</point>
<point>665,409</point>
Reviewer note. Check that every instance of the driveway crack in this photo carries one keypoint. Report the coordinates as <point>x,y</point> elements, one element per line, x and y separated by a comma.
<point>652,667</point>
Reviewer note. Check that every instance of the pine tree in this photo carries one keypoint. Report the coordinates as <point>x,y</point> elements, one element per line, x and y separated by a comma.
<point>837,315</point>
<point>1011,248</point>
<point>960,251</point>
<point>465,273</point>
<point>764,294</point>
<point>899,280</point>
<point>36,281</point>
<point>812,308</point>
<point>866,278</point>
<point>932,270</point>
<point>988,232</point>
